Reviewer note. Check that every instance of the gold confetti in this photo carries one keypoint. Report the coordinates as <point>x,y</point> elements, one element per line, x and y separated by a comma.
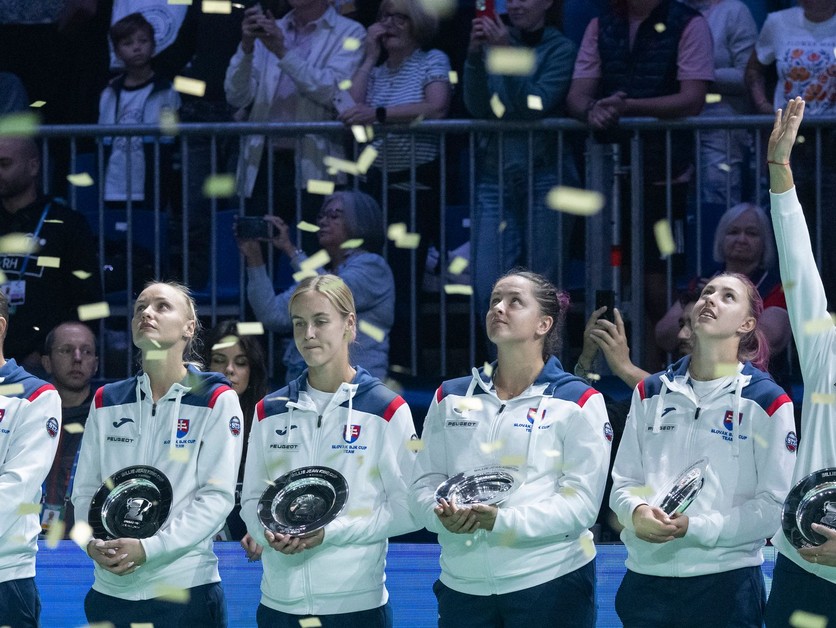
<point>512,461</point>
<point>469,403</point>
<point>10,390</point>
<point>823,398</point>
<point>306,226</point>
<point>587,546</point>
<point>317,260</point>
<point>340,165</point>
<point>359,132</point>
<point>760,441</point>
<point>491,447</point>
<point>171,594</point>
<point>415,444</point>
<point>344,84</point>
<point>408,241</point>
<point>28,509</point>
<point>497,107</point>
<point>38,104</point>
<point>457,265</point>
<point>81,534</point>
<point>487,369</point>
<point>502,226</point>
<point>453,76</point>
<point>225,343</point>
<point>17,243</point>
<point>361,512</point>
<point>351,44</point>
<point>49,262</point>
<point>535,102</point>
<point>219,185</point>
<point>642,491</point>
<point>354,243</point>
<point>190,86</point>
<point>53,221</point>
<point>510,60</point>
<point>366,159</point>
<point>220,7</point>
<point>396,231</point>
<point>725,369</point>
<point>575,200</point>
<point>55,533</point>
<point>146,624</point>
<point>457,288</point>
<point>316,186</point>
<point>441,8</point>
<point>724,167</point>
<point>817,326</point>
<point>155,354</point>
<point>372,331</point>
<point>188,3</point>
<point>659,27</point>
<point>80,179</point>
<point>803,619</point>
<point>73,428</point>
<point>800,139</point>
<point>664,237</point>
<point>93,311</point>
<point>178,455</point>
<point>254,328</point>
<point>310,622</point>
<point>710,99</point>
<point>19,125</point>
<point>304,274</point>
<point>169,121</point>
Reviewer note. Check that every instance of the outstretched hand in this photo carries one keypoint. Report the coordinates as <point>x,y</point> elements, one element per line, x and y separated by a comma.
<point>785,131</point>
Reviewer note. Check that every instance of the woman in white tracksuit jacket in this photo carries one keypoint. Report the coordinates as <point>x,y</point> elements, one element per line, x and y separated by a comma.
<point>702,568</point>
<point>530,560</point>
<point>338,416</point>
<point>188,425</point>
<point>804,579</point>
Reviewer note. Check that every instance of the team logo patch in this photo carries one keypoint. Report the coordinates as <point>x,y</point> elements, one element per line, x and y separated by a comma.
<point>791,441</point>
<point>608,433</point>
<point>353,436</point>
<point>727,420</point>
<point>235,426</point>
<point>2,414</point>
<point>182,428</point>
<point>52,427</point>
<point>532,414</point>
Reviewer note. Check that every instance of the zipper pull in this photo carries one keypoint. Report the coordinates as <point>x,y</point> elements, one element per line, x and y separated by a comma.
<point>319,421</point>
<point>697,413</point>
<point>501,409</point>
<point>154,409</point>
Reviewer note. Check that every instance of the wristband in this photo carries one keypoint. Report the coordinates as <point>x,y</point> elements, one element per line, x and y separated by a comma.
<point>778,163</point>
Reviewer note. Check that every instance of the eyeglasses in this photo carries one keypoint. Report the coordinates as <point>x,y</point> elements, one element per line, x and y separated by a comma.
<point>66,351</point>
<point>399,19</point>
<point>331,213</point>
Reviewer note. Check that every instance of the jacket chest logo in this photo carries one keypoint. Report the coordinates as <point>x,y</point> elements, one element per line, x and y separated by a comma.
<point>351,433</point>
<point>182,428</point>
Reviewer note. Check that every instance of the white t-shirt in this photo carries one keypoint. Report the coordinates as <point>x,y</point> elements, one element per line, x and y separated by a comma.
<point>320,398</point>
<point>130,111</point>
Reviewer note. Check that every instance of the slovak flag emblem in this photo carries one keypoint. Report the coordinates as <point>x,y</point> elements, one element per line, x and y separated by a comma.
<point>2,414</point>
<point>353,436</point>
<point>182,428</point>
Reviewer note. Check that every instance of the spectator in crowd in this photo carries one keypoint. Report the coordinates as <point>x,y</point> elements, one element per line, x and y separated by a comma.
<point>13,95</point>
<point>523,561</point>
<point>288,70</point>
<point>71,360</point>
<point>186,424</point>
<point>511,223</point>
<point>345,217</point>
<point>139,96</point>
<point>240,359</point>
<point>41,295</point>
<point>800,41</point>
<point>31,423</point>
<point>804,579</point>
<point>745,436</point>
<point>331,412</point>
<point>630,66</point>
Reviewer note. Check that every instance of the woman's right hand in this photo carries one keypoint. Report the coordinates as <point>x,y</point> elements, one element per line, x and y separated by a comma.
<point>252,549</point>
<point>373,41</point>
<point>653,525</point>
<point>281,236</point>
<point>477,36</point>
<point>251,28</point>
<point>785,131</point>
<point>249,248</point>
<point>456,520</point>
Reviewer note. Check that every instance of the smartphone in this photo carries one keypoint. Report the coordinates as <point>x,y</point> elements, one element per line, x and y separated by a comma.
<point>342,101</point>
<point>252,228</point>
<point>606,297</point>
<point>486,8</point>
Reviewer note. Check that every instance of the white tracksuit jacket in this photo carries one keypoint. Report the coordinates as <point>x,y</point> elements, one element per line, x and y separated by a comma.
<point>364,434</point>
<point>30,422</point>
<point>750,463</point>
<point>193,435</point>
<point>558,435</point>
<point>806,302</point>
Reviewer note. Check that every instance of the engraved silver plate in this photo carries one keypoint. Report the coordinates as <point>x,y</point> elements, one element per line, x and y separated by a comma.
<point>132,503</point>
<point>484,485</point>
<point>812,500</point>
<point>303,501</point>
<point>680,492</point>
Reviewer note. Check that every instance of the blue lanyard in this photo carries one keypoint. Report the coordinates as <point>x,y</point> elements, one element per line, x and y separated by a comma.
<point>34,239</point>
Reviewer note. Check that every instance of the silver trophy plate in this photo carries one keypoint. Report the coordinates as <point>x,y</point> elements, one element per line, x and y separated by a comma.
<point>484,485</point>
<point>133,503</point>
<point>303,501</point>
<point>812,500</point>
<point>680,492</point>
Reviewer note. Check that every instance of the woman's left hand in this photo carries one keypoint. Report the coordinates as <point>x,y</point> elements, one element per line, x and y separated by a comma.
<point>824,554</point>
<point>360,113</point>
<point>287,544</point>
<point>131,551</point>
<point>485,515</point>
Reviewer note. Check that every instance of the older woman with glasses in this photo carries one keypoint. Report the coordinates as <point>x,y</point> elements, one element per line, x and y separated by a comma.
<point>351,234</point>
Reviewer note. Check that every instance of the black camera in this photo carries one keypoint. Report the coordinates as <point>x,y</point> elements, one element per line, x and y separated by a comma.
<point>252,228</point>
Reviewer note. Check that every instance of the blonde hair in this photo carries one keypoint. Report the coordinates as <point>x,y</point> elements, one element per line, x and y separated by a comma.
<point>332,288</point>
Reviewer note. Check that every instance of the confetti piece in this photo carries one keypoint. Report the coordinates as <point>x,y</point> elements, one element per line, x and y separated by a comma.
<point>510,61</point>
<point>93,311</point>
<point>306,226</point>
<point>80,179</point>
<point>254,328</point>
<point>359,132</point>
<point>53,221</point>
<point>442,8</point>
<point>155,354</point>
<point>19,125</point>
<point>468,542</point>
<point>725,369</point>
<point>458,265</point>
<point>512,461</point>
<point>823,398</point>
<point>497,107</point>
<point>73,428</point>
<point>366,159</point>
<point>351,44</point>
<point>551,453</point>
<point>10,390</point>
<point>817,326</point>
<point>317,260</point>
<point>490,447</point>
<point>724,167</point>
<point>142,624</point>
<point>171,594</point>
<point>340,165</point>
<point>304,274</point>
<point>587,546</point>
<point>344,84</point>
<point>659,27</point>
<point>713,98</point>
<point>396,230</point>
<point>190,86</point>
<point>17,243</point>
<point>415,444</point>
<point>642,491</point>
<point>216,6</point>
<point>225,343</point>
<point>354,243</point>
<point>800,139</point>
<point>38,104</point>
<point>575,200</point>
<point>316,186</point>
<point>453,76</point>
<point>502,226</point>
<point>802,619</point>
<point>535,102</point>
<point>468,403</point>
<point>28,509</point>
<point>169,121</point>
<point>664,237</point>
<point>361,512</point>
<point>760,441</point>
<point>219,185</point>
<point>81,534</point>
<point>408,241</point>
<point>178,455</point>
<point>310,622</point>
<point>487,369</point>
<point>49,262</point>
<point>457,288</point>
<point>372,331</point>
<point>55,533</point>
<point>188,3</point>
